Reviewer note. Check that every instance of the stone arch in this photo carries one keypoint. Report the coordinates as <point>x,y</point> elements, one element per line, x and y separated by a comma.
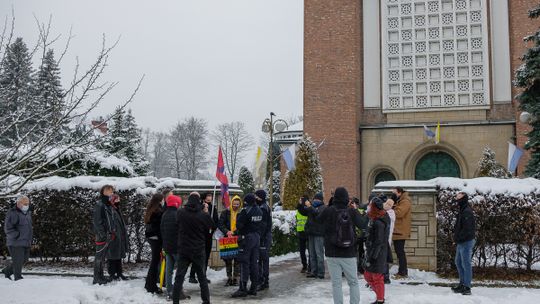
<point>376,171</point>
<point>422,150</point>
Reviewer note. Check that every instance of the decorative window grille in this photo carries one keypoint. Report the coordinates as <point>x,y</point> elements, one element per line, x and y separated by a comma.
<point>436,54</point>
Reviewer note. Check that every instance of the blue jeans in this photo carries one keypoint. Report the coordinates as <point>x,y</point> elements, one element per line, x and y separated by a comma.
<point>347,266</point>
<point>464,262</point>
<point>170,261</point>
<point>316,255</point>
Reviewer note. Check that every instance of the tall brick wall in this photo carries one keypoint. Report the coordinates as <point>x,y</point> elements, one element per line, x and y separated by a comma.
<point>332,87</point>
<point>520,26</point>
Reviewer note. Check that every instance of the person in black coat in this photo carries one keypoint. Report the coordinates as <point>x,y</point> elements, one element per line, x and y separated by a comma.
<point>119,244</point>
<point>152,220</point>
<point>248,224</point>
<point>464,234</point>
<point>315,232</point>
<point>340,221</point>
<point>207,199</point>
<point>193,223</point>
<point>104,230</point>
<point>266,240</point>
<point>169,234</point>
<point>377,244</point>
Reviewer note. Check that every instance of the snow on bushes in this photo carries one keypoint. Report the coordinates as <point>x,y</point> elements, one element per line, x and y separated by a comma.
<point>63,207</point>
<point>507,219</point>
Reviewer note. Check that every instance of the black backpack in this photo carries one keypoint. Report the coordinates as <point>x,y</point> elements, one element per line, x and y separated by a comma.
<point>345,236</point>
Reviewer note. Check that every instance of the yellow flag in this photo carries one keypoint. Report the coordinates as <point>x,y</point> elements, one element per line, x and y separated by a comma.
<point>257,159</point>
<point>438,133</point>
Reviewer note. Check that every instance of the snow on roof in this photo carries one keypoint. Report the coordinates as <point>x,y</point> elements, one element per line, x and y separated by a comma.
<point>142,184</point>
<point>472,186</point>
<point>296,127</point>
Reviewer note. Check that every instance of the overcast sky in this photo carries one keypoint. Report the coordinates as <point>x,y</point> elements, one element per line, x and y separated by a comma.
<point>222,60</point>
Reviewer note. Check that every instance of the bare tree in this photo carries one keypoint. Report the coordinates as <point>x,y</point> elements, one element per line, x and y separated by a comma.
<point>161,164</point>
<point>26,159</point>
<point>235,141</point>
<point>175,149</point>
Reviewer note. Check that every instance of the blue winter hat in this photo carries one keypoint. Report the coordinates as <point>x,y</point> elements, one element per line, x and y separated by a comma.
<point>261,194</point>
<point>249,199</point>
<point>319,196</point>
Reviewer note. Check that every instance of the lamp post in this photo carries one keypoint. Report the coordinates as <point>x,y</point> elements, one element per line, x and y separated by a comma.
<point>270,126</point>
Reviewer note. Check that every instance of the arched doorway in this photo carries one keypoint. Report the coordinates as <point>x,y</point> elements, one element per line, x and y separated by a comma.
<point>384,176</point>
<point>436,164</point>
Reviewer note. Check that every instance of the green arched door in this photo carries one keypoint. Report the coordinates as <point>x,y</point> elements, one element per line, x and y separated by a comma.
<point>436,164</point>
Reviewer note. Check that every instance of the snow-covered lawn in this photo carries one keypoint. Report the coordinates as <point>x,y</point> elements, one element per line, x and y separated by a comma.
<point>56,289</point>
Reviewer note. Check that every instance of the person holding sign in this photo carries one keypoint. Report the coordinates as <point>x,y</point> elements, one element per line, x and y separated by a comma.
<point>228,245</point>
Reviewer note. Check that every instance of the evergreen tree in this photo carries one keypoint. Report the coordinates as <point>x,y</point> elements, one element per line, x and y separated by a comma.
<point>488,166</point>
<point>528,78</point>
<point>124,140</point>
<point>49,93</point>
<point>16,102</point>
<point>306,178</point>
<point>245,181</point>
<point>276,187</point>
<point>133,151</point>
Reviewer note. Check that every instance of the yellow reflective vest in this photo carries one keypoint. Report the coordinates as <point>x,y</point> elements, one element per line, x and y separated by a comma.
<point>300,222</point>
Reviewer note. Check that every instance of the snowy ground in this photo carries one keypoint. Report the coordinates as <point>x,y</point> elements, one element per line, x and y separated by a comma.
<point>287,285</point>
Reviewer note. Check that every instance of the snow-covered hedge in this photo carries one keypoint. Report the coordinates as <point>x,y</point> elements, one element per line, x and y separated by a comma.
<point>507,216</point>
<point>284,232</point>
<point>62,214</point>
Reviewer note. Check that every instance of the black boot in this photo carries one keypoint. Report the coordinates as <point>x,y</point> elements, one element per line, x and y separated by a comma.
<point>242,291</point>
<point>252,289</point>
<point>229,282</point>
<point>193,280</point>
<point>466,291</point>
<point>304,269</point>
<point>457,289</point>
<point>263,286</point>
<point>235,282</point>
<point>6,273</point>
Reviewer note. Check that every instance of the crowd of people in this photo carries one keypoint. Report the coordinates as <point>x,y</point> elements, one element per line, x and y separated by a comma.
<point>350,236</point>
<point>358,238</point>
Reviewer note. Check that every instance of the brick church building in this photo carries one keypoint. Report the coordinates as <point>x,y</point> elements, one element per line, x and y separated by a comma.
<point>377,71</point>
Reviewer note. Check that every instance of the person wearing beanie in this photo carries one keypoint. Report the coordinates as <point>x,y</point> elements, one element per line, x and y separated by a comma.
<point>339,222</point>
<point>361,233</point>
<point>315,232</point>
<point>464,233</point>
<point>206,200</point>
<point>169,235</point>
<point>193,224</point>
<point>266,240</point>
<point>227,226</point>
<point>248,229</point>
<point>377,256</point>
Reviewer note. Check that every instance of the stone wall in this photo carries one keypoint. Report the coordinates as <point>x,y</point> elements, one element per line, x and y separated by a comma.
<point>421,248</point>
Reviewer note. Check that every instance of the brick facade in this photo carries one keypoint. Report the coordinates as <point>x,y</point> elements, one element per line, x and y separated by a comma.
<point>332,87</point>
<point>520,26</point>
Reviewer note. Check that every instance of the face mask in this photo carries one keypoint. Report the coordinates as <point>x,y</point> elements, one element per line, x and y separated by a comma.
<point>25,208</point>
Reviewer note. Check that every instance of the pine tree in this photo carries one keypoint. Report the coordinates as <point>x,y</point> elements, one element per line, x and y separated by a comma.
<point>133,151</point>
<point>276,187</point>
<point>116,137</point>
<point>16,102</point>
<point>306,178</point>
<point>49,93</point>
<point>488,166</point>
<point>528,78</point>
<point>245,181</point>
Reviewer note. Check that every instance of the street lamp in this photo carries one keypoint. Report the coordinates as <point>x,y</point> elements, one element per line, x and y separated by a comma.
<point>526,118</point>
<point>270,126</point>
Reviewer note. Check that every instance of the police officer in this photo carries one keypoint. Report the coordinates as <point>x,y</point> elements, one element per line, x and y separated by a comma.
<point>248,230</point>
<point>266,240</point>
<point>302,237</point>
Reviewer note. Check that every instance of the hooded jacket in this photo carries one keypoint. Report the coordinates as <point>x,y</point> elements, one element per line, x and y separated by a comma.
<point>377,254</point>
<point>313,227</point>
<point>266,225</point>
<point>228,216</point>
<point>193,226</point>
<point>328,218</point>
<point>465,224</point>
